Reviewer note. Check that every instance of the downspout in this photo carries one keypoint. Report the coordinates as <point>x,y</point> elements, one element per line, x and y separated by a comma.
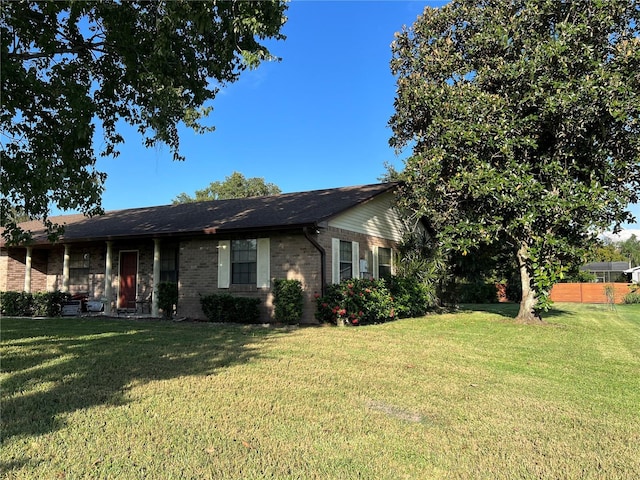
<point>323,257</point>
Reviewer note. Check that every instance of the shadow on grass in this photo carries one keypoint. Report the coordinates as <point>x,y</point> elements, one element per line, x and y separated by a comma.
<point>57,366</point>
<point>509,310</point>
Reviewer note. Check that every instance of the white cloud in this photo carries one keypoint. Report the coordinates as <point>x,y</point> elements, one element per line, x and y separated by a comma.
<point>622,235</point>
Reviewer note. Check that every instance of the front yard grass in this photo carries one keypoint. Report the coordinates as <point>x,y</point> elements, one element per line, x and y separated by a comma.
<point>464,395</point>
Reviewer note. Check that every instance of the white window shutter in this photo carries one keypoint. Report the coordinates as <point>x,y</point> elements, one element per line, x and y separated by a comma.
<point>335,260</point>
<point>264,263</point>
<point>376,263</point>
<point>224,263</point>
<point>355,259</point>
<point>392,263</point>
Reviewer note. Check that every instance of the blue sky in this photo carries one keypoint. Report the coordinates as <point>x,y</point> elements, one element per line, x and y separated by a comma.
<point>317,119</point>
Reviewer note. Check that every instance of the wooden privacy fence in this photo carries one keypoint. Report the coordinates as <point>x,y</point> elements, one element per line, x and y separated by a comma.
<point>588,292</point>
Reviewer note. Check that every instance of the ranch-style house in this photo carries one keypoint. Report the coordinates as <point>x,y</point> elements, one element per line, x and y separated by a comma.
<point>234,246</point>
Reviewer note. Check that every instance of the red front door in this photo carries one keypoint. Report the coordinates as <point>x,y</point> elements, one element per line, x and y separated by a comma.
<point>128,284</point>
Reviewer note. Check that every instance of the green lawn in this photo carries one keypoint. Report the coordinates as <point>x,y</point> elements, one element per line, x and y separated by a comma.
<point>464,395</point>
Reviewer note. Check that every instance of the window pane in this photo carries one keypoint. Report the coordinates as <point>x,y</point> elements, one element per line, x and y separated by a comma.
<point>384,262</point>
<point>345,271</point>
<point>384,256</point>
<point>244,255</point>
<point>169,265</point>
<point>346,259</point>
<point>168,276</point>
<point>168,259</point>
<point>79,260</point>
<point>384,271</point>
<point>345,251</point>
<point>79,270</point>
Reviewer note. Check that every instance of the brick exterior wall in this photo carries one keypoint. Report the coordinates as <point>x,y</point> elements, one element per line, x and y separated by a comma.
<point>13,267</point>
<point>198,260</point>
<point>54,269</point>
<point>4,269</point>
<point>14,259</point>
<point>293,257</point>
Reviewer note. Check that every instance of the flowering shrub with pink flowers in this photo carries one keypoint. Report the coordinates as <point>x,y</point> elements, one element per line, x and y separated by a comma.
<point>356,302</point>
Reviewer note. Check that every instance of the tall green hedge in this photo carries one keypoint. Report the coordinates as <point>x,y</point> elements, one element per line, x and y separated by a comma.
<point>223,307</point>
<point>287,300</point>
<point>40,304</point>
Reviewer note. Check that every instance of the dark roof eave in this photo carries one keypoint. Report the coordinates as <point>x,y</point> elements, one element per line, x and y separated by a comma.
<point>266,228</point>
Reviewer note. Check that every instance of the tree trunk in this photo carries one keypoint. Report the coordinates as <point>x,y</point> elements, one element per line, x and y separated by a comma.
<point>526,314</point>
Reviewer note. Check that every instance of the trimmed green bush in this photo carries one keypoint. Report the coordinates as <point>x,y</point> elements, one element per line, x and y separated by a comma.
<point>411,297</point>
<point>287,300</point>
<point>40,304</point>
<point>227,308</point>
<point>49,304</point>
<point>356,302</point>
<point>16,304</point>
<point>167,298</point>
<point>634,295</point>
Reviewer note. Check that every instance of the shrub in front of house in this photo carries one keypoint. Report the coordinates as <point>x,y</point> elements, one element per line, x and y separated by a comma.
<point>39,304</point>
<point>49,304</point>
<point>356,302</point>
<point>287,300</point>
<point>16,304</point>
<point>411,297</point>
<point>167,298</point>
<point>222,307</point>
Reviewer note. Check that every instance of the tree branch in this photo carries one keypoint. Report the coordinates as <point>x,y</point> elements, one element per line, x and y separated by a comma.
<point>62,51</point>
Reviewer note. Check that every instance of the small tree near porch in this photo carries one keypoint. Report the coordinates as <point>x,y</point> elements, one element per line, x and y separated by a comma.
<point>524,119</point>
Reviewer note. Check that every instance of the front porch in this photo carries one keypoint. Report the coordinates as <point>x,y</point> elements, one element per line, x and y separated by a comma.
<point>121,277</point>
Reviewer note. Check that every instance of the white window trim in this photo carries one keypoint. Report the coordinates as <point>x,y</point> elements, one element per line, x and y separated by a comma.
<point>335,260</point>
<point>355,259</point>
<point>376,263</point>
<point>224,263</point>
<point>263,263</point>
<point>263,267</point>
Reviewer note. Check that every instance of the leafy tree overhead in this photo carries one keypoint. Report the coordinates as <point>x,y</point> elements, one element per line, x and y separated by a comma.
<point>233,186</point>
<point>69,67</point>
<point>524,120</point>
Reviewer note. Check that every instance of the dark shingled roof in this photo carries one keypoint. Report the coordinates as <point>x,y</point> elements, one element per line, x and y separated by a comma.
<point>289,210</point>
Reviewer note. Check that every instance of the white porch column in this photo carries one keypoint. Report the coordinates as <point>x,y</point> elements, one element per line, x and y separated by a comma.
<point>108,278</point>
<point>27,270</point>
<point>65,270</point>
<point>155,310</point>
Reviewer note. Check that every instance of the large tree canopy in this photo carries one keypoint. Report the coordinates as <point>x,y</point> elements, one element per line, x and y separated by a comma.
<point>69,67</point>
<point>235,185</point>
<point>524,119</point>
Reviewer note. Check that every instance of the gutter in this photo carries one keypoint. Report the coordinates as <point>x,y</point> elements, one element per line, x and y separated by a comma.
<point>323,257</point>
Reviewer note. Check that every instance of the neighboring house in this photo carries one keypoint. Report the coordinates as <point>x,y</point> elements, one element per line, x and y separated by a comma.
<point>606,272</point>
<point>233,246</point>
<point>635,274</point>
